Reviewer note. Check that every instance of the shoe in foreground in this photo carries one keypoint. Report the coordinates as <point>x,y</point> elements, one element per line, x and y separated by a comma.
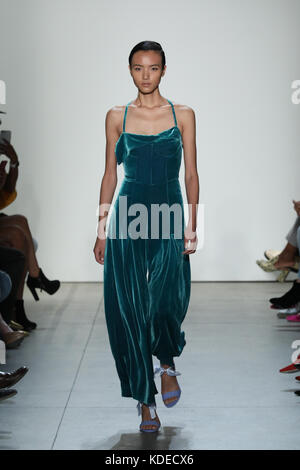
<point>153,422</point>
<point>8,379</point>
<point>291,368</point>
<point>174,393</point>
<point>7,393</point>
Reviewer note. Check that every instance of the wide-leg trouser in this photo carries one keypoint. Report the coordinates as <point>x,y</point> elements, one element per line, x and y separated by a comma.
<point>146,297</point>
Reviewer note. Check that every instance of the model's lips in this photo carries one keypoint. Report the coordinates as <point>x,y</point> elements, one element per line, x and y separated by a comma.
<point>146,84</point>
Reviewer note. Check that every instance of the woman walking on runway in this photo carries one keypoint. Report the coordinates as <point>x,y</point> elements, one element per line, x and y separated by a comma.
<point>147,275</point>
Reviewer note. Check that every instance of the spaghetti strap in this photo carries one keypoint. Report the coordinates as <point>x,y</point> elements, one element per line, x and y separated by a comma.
<point>173,112</point>
<point>125,114</point>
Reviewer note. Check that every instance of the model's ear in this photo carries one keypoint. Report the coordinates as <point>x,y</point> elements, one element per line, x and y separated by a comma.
<point>164,71</point>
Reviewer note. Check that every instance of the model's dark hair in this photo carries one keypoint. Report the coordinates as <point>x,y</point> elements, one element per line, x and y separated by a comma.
<point>149,46</point>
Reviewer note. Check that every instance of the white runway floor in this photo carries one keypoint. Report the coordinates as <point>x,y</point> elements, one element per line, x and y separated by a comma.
<point>233,396</point>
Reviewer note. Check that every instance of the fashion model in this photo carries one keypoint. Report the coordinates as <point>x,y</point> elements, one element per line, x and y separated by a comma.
<point>145,252</point>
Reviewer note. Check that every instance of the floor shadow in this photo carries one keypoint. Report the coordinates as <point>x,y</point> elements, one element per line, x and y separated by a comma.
<point>168,437</point>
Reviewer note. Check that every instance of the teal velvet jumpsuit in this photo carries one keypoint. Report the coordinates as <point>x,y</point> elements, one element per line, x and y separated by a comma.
<point>146,280</point>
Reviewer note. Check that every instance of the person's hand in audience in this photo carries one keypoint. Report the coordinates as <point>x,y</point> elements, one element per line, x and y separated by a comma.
<point>7,149</point>
<point>3,174</point>
<point>297,206</point>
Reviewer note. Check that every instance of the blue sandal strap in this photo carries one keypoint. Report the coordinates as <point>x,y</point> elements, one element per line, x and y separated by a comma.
<point>174,393</point>
<point>149,421</point>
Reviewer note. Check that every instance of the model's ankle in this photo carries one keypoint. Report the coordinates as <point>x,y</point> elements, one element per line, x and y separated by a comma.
<point>166,366</point>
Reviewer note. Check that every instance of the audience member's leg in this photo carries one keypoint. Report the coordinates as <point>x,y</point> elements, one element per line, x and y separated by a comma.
<point>5,285</point>
<point>19,242</point>
<point>4,328</point>
<point>17,228</point>
<point>13,262</point>
<point>298,241</point>
<point>288,254</point>
<point>20,222</point>
<point>292,234</point>
<point>286,258</point>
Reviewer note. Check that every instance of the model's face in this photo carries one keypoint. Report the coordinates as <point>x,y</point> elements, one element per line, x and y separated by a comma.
<point>146,70</point>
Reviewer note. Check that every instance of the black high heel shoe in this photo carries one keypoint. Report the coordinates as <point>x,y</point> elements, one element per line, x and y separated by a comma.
<point>21,316</point>
<point>43,283</point>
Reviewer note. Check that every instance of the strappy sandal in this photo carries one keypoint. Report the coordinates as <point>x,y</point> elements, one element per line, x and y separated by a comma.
<point>268,266</point>
<point>174,393</point>
<point>269,254</point>
<point>153,422</point>
<point>283,275</point>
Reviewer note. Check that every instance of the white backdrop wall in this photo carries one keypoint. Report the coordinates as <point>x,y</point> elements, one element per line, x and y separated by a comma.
<point>64,63</point>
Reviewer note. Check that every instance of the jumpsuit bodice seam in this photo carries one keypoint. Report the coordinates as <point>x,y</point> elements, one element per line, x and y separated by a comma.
<point>147,157</point>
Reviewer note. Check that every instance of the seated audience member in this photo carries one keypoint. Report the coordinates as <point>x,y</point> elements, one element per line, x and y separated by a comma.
<point>288,259</point>
<point>292,297</point>
<point>15,233</point>
<point>12,262</point>
<point>11,338</point>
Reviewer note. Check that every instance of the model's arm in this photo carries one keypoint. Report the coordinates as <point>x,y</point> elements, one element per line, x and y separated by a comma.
<point>109,181</point>
<point>191,175</point>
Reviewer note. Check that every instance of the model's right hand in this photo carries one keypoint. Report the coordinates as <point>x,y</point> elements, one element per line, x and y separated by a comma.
<point>99,250</point>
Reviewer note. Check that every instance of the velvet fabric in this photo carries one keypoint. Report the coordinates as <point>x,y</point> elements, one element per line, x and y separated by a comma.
<point>146,279</point>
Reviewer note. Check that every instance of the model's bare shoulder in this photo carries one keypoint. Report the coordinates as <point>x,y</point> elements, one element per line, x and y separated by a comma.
<point>184,109</point>
<point>185,115</point>
<point>114,117</point>
<point>115,113</point>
